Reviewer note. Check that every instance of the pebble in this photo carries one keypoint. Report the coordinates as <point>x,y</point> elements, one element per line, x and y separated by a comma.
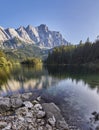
<point>27,115</point>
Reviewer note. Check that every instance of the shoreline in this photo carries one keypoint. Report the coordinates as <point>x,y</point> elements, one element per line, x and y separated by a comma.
<point>22,112</point>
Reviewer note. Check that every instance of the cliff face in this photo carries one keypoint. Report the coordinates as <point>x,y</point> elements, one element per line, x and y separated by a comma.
<point>40,35</point>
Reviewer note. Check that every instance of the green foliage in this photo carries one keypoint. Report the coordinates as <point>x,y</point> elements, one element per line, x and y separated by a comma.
<point>3,60</point>
<point>5,66</point>
<point>83,53</point>
<point>26,51</point>
<point>32,61</point>
<point>60,55</point>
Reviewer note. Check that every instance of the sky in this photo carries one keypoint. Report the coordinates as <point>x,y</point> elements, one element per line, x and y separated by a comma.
<point>75,19</point>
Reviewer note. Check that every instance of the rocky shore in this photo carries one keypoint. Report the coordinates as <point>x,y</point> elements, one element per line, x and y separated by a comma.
<point>22,112</point>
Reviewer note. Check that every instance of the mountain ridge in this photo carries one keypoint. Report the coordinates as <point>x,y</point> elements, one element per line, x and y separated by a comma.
<point>40,35</point>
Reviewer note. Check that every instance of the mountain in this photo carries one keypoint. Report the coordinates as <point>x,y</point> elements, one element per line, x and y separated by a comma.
<point>23,34</point>
<point>3,35</point>
<point>33,33</point>
<point>41,36</point>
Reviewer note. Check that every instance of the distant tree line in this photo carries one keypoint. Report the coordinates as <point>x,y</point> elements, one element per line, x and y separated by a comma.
<point>32,61</point>
<point>82,53</point>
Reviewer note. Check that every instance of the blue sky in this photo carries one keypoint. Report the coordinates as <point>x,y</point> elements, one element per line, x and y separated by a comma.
<point>75,19</point>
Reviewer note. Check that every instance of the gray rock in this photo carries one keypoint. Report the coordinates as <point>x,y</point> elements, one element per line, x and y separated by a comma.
<point>94,113</point>
<point>16,102</point>
<point>3,124</point>
<point>8,127</point>
<point>29,114</point>
<point>48,127</point>
<point>22,111</point>
<point>35,102</point>
<point>37,107</point>
<point>52,110</point>
<point>4,104</point>
<point>16,95</point>
<point>61,124</point>
<point>28,104</point>
<point>97,128</point>
<point>96,116</point>
<point>30,127</point>
<point>32,119</point>
<point>38,98</point>
<point>26,96</point>
<point>20,118</point>
<point>52,121</point>
<point>29,120</point>
<point>40,128</point>
<point>40,114</point>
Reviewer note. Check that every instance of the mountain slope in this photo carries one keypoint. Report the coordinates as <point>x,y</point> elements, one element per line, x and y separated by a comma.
<point>28,50</point>
<point>33,33</point>
<point>12,32</point>
<point>40,35</point>
<point>23,34</point>
<point>3,35</point>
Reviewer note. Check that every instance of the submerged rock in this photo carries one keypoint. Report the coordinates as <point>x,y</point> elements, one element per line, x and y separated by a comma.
<point>97,128</point>
<point>94,113</point>
<point>53,111</point>
<point>52,121</point>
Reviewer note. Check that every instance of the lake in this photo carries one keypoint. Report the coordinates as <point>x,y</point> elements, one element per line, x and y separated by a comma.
<point>74,89</point>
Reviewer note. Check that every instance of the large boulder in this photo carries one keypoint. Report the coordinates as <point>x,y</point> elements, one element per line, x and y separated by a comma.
<point>4,104</point>
<point>51,111</point>
<point>16,102</point>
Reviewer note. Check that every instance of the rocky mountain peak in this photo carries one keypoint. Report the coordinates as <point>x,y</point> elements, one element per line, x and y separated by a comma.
<point>23,34</point>
<point>29,27</point>
<point>3,35</point>
<point>33,33</point>
<point>11,32</point>
<point>43,27</point>
<point>21,28</point>
<point>1,28</point>
<point>40,35</point>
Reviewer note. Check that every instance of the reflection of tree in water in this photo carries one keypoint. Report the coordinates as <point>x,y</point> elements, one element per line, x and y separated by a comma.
<point>24,79</point>
<point>25,74</point>
<point>4,75</point>
<point>89,76</point>
<point>29,78</point>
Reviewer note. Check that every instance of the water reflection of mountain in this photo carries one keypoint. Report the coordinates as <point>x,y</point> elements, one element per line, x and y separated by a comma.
<point>24,79</point>
<point>89,76</point>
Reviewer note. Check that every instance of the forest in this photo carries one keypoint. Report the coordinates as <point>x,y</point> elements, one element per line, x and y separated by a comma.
<point>83,53</point>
